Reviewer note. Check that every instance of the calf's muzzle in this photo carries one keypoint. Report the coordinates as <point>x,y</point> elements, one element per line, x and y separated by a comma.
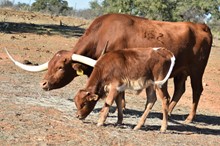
<point>45,85</point>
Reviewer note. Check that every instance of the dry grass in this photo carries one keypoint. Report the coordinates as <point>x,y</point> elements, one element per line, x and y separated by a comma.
<point>31,116</point>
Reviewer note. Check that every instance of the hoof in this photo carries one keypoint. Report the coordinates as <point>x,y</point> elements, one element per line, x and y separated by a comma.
<point>187,121</point>
<point>169,114</point>
<point>119,123</point>
<point>162,130</point>
<point>100,124</point>
<point>136,128</point>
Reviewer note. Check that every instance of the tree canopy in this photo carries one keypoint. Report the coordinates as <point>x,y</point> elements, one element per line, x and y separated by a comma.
<point>172,10</point>
<point>52,6</point>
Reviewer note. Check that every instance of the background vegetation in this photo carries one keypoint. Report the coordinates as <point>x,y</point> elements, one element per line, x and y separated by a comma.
<point>205,11</point>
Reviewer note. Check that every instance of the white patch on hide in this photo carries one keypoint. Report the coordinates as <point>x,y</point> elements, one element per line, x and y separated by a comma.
<point>160,83</point>
<point>155,49</point>
<point>137,85</point>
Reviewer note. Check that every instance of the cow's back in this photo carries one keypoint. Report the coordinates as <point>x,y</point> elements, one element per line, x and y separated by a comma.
<point>187,41</point>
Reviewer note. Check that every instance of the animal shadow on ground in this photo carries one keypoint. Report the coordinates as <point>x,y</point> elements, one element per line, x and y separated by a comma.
<point>64,30</point>
<point>203,124</point>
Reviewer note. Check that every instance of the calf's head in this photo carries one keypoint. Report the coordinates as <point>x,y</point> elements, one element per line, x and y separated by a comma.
<point>85,102</point>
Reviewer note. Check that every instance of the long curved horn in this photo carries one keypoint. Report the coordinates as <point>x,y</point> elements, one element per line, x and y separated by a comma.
<point>38,68</point>
<point>86,60</point>
<point>83,59</point>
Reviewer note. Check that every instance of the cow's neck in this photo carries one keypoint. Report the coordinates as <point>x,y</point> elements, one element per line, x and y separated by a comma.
<point>86,47</point>
<point>87,52</point>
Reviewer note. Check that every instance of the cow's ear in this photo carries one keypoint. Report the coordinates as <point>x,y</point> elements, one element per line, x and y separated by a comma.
<point>92,97</point>
<point>79,68</point>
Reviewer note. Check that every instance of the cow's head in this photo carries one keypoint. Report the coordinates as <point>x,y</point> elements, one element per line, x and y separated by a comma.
<point>60,68</point>
<point>60,71</point>
<point>85,102</point>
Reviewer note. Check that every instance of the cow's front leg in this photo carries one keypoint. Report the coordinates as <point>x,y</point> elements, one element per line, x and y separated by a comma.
<point>108,102</point>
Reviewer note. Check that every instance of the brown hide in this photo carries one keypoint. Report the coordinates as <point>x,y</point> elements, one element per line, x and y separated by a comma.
<point>137,67</point>
<point>189,42</point>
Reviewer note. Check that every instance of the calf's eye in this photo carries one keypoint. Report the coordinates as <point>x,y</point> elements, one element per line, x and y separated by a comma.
<point>60,68</point>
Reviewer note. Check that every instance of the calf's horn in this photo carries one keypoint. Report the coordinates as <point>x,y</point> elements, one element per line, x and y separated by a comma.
<point>104,50</point>
<point>83,59</point>
<point>38,68</point>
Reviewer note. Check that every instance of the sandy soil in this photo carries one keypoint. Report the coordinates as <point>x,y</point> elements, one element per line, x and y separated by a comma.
<point>31,116</point>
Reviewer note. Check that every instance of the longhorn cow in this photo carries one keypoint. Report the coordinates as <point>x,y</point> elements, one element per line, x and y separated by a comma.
<point>189,42</point>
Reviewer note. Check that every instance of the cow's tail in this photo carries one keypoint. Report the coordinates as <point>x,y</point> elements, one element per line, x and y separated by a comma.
<point>160,83</point>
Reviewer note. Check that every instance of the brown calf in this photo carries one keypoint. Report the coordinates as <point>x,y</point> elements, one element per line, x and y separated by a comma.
<point>119,70</point>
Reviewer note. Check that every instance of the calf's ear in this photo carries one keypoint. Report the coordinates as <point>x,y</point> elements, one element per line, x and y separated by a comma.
<point>92,97</point>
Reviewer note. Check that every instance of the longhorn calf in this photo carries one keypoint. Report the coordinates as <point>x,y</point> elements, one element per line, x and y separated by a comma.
<point>119,70</point>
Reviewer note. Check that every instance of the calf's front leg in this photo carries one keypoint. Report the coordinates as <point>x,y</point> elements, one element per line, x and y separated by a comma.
<point>108,102</point>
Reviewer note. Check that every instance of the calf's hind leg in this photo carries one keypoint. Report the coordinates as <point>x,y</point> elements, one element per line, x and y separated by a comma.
<point>151,99</point>
<point>120,105</point>
<point>163,94</point>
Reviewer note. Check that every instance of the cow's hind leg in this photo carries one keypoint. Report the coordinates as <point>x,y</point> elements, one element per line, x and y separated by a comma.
<point>197,88</point>
<point>179,89</point>
<point>151,99</point>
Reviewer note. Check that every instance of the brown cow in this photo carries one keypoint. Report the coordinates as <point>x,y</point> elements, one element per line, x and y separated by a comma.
<point>190,43</point>
<point>119,70</point>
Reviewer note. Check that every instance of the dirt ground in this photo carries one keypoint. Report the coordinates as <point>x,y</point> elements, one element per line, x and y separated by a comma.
<point>31,116</point>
